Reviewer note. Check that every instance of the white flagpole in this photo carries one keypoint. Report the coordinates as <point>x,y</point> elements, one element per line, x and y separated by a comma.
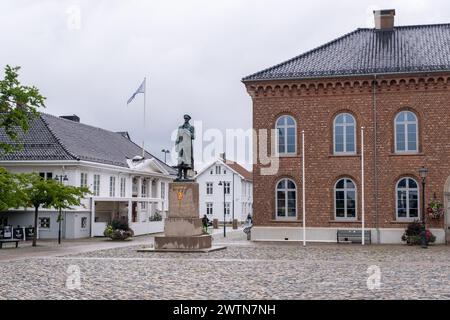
<point>303,188</point>
<point>362,187</point>
<point>143,138</point>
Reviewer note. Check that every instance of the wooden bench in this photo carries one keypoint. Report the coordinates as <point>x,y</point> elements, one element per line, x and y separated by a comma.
<point>9,241</point>
<point>353,236</point>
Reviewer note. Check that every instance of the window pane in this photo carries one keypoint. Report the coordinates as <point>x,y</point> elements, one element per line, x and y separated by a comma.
<point>400,136</point>
<point>290,184</point>
<point>340,119</point>
<point>291,208</point>
<point>350,184</point>
<point>412,143</point>
<point>412,184</point>
<point>339,139</point>
<point>402,183</point>
<point>282,184</point>
<point>281,141</point>
<point>281,122</point>
<point>291,140</point>
<point>401,204</point>
<point>340,213</point>
<point>410,116</point>
<point>290,121</point>
<point>340,184</point>
<point>401,117</point>
<point>340,204</point>
<point>351,213</point>
<point>351,199</point>
<point>350,143</point>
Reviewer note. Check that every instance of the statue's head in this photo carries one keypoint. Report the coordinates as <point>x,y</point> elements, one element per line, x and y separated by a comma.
<point>187,117</point>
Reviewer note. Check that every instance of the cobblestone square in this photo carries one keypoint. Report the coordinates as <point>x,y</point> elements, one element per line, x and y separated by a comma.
<point>245,270</point>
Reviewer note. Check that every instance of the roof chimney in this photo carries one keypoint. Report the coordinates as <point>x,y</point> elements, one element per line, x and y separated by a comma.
<point>223,156</point>
<point>73,118</point>
<point>384,19</point>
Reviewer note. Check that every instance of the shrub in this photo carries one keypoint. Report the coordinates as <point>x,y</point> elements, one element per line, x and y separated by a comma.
<point>412,235</point>
<point>156,217</point>
<point>118,230</point>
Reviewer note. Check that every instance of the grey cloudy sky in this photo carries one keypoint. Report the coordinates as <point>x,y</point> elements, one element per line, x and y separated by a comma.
<point>194,53</point>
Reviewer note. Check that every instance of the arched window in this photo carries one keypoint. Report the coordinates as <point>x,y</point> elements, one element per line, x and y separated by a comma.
<point>345,199</point>
<point>286,135</point>
<point>344,134</point>
<point>406,132</point>
<point>286,199</point>
<point>407,199</point>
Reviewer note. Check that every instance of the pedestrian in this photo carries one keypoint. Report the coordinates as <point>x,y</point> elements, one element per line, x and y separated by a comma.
<point>205,222</point>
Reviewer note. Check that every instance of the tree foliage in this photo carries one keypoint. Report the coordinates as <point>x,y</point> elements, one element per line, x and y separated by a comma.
<point>18,105</point>
<point>49,194</point>
<point>11,192</point>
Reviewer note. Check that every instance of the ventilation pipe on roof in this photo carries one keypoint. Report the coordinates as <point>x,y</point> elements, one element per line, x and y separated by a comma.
<point>384,19</point>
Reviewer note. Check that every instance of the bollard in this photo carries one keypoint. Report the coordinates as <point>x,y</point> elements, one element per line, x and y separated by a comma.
<point>235,224</point>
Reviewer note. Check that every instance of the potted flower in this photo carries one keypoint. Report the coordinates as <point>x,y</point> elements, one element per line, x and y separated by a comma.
<point>412,235</point>
<point>435,209</point>
<point>118,230</point>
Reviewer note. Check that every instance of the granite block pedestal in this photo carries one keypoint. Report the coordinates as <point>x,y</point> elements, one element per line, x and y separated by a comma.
<point>183,230</point>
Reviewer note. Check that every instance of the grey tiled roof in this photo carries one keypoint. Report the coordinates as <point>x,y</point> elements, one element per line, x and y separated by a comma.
<point>53,138</point>
<point>424,48</point>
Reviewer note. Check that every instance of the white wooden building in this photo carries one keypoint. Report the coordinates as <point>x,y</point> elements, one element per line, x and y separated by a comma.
<point>124,184</point>
<point>238,191</point>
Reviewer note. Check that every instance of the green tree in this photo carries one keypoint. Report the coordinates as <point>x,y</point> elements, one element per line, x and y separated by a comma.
<point>18,105</point>
<point>49,194</point>
<point>64,197</point>
<point>12,194</point>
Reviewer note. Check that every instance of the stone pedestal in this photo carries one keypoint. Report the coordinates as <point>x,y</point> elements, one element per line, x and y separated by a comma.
<point>183,227</point>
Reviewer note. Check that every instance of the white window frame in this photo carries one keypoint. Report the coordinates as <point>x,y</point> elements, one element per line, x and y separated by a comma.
<point>218,170</point>
<point>96,185</point>
<point>405,124</point>
<point>285,128</point>
<point>209,187</point>
<point>346,218</point>
<point>83,179</point>
<point>345,125</point>
<point>227,187</point>
<point>209,208</point>
<point>286,190</point>
<point>407,189</point>
<point>227,208</point>
<point>112,186</point>
<point>123,183</point>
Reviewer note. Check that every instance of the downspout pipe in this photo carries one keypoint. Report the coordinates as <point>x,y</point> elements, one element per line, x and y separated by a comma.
<point>375,154</point>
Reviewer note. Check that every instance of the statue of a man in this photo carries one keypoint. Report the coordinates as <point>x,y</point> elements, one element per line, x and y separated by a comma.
<point>184,147</point>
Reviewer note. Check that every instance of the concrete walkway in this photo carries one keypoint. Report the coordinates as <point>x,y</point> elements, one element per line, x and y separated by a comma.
<point>50,248</point>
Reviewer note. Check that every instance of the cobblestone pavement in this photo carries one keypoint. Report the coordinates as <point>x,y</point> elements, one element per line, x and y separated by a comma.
<point>245,270</point>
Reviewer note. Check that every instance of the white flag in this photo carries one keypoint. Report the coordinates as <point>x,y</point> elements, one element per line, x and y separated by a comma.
<point>141,89</point>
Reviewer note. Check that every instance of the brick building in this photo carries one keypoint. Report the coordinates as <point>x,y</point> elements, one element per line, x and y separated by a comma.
<point>394,82</point>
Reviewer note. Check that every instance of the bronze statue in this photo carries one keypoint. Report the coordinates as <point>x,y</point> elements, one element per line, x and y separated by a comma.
<point>185,148</point>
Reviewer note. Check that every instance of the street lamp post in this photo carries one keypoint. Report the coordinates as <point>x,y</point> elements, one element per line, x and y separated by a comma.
<point>165,154</point>
<point>60,179</point>
<point>423,239</point>
<point>224,209</point>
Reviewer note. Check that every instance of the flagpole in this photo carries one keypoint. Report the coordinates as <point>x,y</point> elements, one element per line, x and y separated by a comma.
<point>303,188</point>
<point>363,213</point>
<point>143,138</point>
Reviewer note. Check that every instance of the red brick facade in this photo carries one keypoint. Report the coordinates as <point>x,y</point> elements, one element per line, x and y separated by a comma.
<point>314,104</point>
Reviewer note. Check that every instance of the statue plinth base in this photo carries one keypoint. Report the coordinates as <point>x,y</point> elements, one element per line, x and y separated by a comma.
<point>183,230</point>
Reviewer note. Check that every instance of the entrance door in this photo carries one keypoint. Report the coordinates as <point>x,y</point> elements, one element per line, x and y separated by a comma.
<point>134,212</point>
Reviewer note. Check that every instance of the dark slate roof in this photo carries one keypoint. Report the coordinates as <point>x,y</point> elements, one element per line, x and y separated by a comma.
<point>54,138</point>
<point>406,49</point>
